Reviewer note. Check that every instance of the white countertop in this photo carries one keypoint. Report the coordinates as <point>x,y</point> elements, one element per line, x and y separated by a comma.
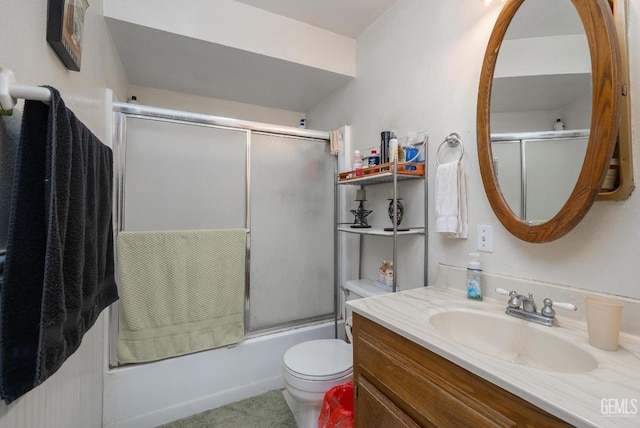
<point>600,397</point>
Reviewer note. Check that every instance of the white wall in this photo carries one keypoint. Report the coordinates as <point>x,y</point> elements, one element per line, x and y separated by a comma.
<point>214,106</point>
<point>73,396</point>
<point>237,25</point>
<point>25,51</point>
<point>419,68</point>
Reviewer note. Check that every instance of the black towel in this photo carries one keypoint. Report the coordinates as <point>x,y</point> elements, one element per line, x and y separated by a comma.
<point>59,270</point>
<point>9,138</point>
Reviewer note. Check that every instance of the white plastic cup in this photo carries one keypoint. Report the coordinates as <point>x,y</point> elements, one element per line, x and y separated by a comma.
<point>603,322</point>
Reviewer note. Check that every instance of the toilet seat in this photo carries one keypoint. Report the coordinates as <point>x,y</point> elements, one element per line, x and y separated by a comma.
<point>319,360</point>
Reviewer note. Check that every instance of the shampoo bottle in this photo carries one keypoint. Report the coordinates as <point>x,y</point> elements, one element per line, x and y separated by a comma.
<point>474,278</point>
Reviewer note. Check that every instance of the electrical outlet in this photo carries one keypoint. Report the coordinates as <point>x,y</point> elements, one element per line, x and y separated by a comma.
<point>484,238</point>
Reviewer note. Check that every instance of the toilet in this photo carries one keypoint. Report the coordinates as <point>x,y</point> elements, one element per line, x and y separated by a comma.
<point>312,368</point>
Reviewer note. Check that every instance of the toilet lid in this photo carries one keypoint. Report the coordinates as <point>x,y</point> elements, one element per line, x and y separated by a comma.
<point>319,359</point>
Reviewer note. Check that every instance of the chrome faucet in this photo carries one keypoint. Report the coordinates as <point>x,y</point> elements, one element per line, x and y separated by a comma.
<point>525,308</point>
<point>516,300</point>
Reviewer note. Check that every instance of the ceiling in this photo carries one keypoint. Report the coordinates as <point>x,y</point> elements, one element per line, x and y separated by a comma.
<point>165,60</point>
<point>346,17</point>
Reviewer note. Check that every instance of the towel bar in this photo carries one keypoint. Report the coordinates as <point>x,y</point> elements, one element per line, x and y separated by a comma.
<point>10,91</point>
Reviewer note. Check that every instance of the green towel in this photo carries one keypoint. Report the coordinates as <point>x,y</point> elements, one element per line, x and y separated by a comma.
<point>180,292</point>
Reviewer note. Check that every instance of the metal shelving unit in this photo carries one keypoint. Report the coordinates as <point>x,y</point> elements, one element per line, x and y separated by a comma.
<point>393,175</point>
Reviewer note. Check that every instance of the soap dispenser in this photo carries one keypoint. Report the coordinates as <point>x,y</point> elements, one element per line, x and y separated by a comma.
<point>474,278</point>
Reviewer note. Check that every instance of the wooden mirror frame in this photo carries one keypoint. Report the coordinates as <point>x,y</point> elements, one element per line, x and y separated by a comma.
<point>600,29</point>
<point>626,184</point>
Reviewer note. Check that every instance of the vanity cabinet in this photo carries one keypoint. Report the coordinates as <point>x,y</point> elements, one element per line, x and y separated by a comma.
<point>398,383</point>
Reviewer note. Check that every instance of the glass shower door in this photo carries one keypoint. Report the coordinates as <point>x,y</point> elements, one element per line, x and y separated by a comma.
<point>291,230</point>
<point>183,176</point>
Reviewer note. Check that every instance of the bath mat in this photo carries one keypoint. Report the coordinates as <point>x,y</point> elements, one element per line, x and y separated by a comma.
<point>269,410</point>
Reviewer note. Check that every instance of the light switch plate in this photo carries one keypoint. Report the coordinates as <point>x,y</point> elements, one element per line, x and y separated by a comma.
<point>484,238</point>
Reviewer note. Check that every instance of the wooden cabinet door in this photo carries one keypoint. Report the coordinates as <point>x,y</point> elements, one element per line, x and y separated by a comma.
<point>373,409</point>
<point>407,383</point>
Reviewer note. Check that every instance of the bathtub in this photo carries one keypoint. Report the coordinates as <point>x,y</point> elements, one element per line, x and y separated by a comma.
<point>147,395</point>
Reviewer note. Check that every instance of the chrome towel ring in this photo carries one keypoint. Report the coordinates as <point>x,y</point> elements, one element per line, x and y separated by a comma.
<point>453,140</point>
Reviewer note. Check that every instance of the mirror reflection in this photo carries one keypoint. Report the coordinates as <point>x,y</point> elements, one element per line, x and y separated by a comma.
<point>540,112</point>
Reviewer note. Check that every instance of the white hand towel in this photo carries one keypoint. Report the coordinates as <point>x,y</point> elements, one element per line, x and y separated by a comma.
<point>451,200</point>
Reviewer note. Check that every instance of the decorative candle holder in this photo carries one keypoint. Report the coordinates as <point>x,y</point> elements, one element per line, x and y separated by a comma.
<point>360,220</point>
<point>399,214</point>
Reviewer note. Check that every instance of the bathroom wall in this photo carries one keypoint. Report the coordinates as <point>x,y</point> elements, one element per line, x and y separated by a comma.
<point>73,396</point>
<point>214,106</point>
<point>418,68</point>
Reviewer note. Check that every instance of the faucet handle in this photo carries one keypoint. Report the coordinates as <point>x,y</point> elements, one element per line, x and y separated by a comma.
<point>548,311</point>
<point>565,306</point>
<point>514,298</point>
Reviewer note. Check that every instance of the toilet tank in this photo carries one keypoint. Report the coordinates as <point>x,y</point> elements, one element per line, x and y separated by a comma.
<point>358,289</point>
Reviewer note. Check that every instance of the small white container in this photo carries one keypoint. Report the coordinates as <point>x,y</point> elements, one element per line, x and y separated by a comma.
<point>558,126</point>
<point>611,178</point>
<point>357,163</point>
<point>382,276</point>
<point>389,277</point>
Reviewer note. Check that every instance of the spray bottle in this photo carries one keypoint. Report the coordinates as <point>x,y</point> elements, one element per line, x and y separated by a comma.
<point>393,147</point>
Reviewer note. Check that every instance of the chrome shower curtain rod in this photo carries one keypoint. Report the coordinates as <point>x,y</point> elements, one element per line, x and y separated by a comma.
<point>540,135</point>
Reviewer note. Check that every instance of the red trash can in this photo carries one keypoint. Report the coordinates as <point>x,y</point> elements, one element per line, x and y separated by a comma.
<point>337,407</point>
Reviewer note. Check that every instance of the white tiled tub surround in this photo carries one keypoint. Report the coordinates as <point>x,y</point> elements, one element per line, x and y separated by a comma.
<point>586,399</point>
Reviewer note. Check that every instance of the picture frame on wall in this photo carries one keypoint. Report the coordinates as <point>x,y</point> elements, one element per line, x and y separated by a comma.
<point>65,26</point>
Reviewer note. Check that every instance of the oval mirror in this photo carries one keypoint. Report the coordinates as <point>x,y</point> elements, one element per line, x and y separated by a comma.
<point>549,64</point>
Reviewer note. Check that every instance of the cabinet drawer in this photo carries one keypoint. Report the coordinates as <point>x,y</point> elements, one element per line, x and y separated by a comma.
<point>373,409</point>
<point>432,390</point>
<point>421,394</point>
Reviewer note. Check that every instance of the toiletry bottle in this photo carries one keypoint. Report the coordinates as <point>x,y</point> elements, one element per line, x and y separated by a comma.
<point>393,147</point>
<point>385,136</point>
<point>374,159</point>
<point>357,163</point>
<point>474,278</point>
<point>411,150</point>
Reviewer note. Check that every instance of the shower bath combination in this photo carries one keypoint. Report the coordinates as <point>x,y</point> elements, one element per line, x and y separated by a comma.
<point>163,179</point>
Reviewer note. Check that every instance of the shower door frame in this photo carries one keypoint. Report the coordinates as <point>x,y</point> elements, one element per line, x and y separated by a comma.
<point>123,111</point>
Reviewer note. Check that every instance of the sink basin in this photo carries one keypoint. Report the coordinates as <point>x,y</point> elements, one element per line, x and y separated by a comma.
<point>512,340</point>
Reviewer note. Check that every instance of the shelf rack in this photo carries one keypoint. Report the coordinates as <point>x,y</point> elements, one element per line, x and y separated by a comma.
<point>387,173</point>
